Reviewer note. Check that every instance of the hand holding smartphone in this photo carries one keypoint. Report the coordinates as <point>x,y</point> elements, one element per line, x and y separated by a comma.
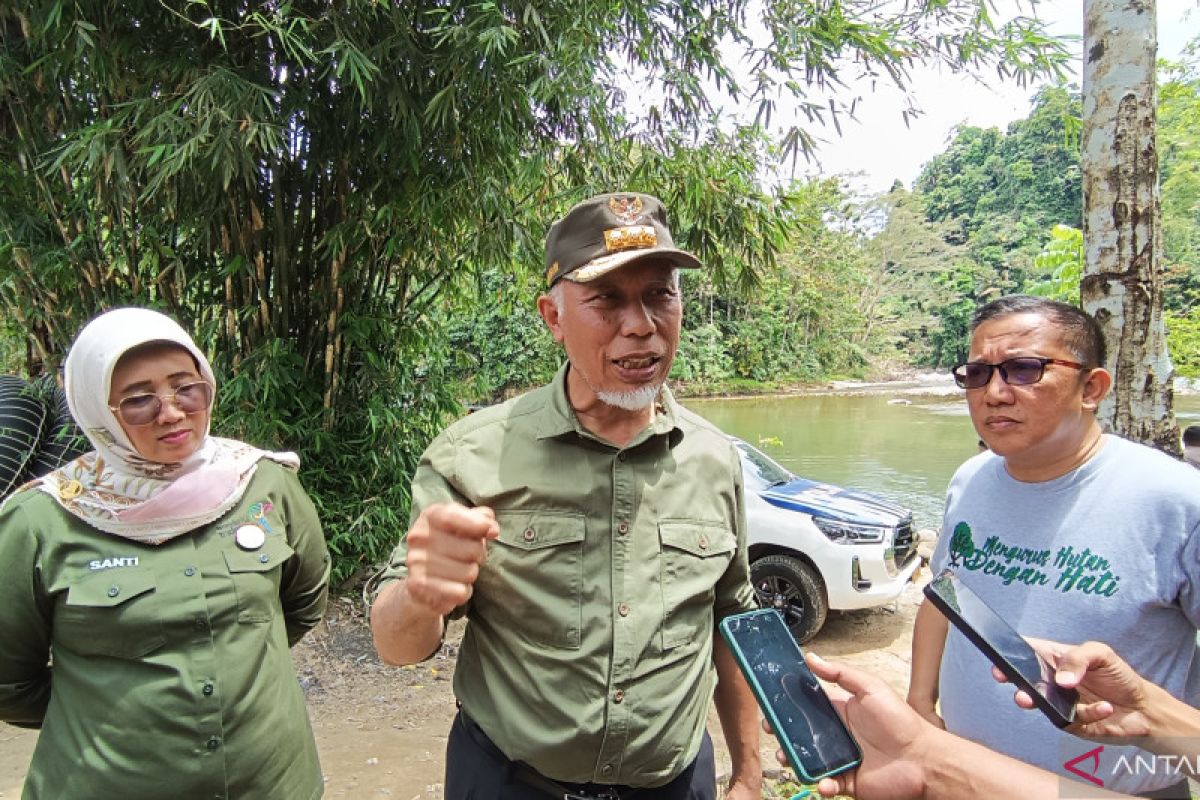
<point>812,735</point>
<point>1003,646</point>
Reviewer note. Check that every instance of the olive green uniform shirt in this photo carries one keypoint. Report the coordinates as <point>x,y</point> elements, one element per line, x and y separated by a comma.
<point>171,673</point>
<point>588,650</point>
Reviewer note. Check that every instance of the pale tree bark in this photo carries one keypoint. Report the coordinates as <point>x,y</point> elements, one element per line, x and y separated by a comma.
<point>1123,279</point>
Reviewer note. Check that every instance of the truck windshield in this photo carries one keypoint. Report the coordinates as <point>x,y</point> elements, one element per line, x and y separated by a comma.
<point>760,471</point>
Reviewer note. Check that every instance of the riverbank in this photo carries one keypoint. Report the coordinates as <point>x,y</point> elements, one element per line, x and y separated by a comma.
<point>880,380</point>
<point>906,382</point>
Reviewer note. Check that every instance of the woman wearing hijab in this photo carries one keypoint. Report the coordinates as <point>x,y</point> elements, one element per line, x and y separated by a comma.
<point>165,575</point>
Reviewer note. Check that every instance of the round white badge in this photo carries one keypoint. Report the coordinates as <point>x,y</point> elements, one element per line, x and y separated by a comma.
<point>250,537</point>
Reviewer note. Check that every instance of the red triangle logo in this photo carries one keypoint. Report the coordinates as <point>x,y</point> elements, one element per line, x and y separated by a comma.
<point>1094,757</point>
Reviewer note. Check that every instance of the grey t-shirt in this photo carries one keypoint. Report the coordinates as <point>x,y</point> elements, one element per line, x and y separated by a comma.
<point>1106,552</point>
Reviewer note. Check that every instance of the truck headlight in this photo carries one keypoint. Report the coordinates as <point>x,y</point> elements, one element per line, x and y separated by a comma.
<point>849,532</point>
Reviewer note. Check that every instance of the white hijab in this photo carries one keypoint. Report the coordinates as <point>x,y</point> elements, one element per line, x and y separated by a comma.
<point>116,489</point>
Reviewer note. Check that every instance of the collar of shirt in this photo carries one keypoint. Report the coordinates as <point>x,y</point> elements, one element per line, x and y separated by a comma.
<point>557,418</point>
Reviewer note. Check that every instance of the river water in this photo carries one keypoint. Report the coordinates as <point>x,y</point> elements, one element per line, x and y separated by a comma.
<point>901,440</point>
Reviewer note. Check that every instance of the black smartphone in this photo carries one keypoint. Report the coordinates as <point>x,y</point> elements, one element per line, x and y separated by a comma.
<point>811,733</point>
<point>1003,646</point>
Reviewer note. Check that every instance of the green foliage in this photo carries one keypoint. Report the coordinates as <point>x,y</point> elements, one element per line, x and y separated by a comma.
<point>1179,179</point>
<point>917,279</point>
<point>360,479</point>
<point>799,321</point>
<point>499,343</point>
<point>996,213</point>
<point>1032,170</point>
<point>816,41</point>
<point>953,310</point>
<point>12,347</point>
<point>757,348</point>
<point>1062,259</point>
<point>703,357</point>
<point>1001,191</point>
<point>1183,342</point>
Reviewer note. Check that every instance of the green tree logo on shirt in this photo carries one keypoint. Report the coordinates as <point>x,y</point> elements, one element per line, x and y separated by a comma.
<point>961,543</point>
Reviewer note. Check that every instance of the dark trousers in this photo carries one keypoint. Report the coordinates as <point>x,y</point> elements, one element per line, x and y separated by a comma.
<point>477,770</point>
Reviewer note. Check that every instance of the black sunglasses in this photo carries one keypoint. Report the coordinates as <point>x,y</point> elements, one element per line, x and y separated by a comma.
<point>1021,371</point>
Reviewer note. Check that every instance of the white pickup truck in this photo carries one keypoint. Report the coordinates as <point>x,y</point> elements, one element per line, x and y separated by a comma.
<point>815,546</point>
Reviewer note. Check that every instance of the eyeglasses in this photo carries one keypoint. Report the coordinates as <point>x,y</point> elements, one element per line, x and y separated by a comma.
<point>1021,371</point>
<point>142,409</point>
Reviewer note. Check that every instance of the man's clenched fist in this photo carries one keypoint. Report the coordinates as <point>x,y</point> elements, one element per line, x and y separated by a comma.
<point>446,546</point>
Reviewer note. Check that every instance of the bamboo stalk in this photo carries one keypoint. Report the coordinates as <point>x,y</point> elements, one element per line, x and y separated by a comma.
<point>331,337</point>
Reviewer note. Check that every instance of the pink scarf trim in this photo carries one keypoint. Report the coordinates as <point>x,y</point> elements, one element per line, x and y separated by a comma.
<point>188,495</point>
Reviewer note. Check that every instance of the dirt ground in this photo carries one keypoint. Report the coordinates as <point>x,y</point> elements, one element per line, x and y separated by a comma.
<point>381,730</point>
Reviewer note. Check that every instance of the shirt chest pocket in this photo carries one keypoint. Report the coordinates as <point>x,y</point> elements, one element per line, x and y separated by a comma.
<point>532,582</point>
<point>111,613</point>
<point>694,557</point>
<point>256,575</point>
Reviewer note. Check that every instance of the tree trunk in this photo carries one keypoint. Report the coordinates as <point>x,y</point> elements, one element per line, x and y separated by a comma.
<point>1123,278</point>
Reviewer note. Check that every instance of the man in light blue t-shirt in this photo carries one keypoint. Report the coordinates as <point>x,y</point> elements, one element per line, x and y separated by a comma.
<point>1069,534</point>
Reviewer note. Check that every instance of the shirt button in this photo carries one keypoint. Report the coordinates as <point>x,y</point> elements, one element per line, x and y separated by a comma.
<point>190,571</point>
<point>208,689</point>
<point>201,623</point>
<point>703,543</point>
<point>623,609</point>
<point>529,535</point>
<point>623,528</point>
<point>113,591</point>
<point>213,743</point>
<point>621,456</point>
<point>264,558</point>
<point>618,695</point>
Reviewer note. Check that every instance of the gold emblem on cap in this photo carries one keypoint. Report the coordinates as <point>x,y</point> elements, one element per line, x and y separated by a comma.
<point>627,208</point>
<point>70,490</point>
<point>634,236</point>
<point>550,273</point>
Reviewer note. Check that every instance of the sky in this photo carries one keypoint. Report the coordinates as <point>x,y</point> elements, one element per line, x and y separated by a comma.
<point>880,147</point>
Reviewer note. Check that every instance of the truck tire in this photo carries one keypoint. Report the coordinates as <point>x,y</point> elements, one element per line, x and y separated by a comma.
<point>62,439</point>
<point>22,418</point>
<point>794,588</point>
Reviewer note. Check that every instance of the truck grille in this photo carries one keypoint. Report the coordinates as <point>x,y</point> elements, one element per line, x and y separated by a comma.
<point>904,546</point>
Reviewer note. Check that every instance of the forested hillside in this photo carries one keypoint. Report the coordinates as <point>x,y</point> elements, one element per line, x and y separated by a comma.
<point>871,286</point>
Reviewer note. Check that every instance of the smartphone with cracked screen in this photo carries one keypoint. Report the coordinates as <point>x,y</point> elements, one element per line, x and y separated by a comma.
<point>812,735</point>
<point>1003,646</point>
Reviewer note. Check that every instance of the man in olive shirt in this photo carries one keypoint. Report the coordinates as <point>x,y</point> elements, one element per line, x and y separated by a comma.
<point>593,533</point>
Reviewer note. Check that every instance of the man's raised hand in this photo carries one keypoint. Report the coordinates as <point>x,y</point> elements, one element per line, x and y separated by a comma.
<point>447,544</point>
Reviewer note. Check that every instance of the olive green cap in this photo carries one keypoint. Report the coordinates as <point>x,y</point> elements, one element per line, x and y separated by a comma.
<point>609,231</point>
